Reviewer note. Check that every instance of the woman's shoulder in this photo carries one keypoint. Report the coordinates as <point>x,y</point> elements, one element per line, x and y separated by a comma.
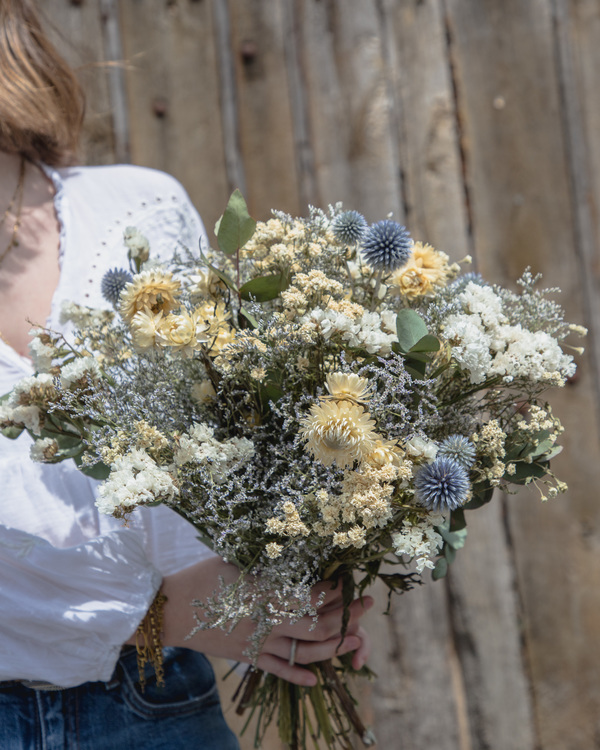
<point>122,179</point>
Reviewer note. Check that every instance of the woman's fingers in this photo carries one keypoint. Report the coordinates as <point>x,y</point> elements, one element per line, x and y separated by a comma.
<point>277,661</point>
<point>307,652</point>
<point>329,624</point>
<point>282,668</point>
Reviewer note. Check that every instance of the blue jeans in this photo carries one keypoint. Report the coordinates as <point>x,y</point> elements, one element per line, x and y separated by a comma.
<point>116,715</point>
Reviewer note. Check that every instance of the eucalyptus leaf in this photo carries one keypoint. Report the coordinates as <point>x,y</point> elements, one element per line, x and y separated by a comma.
<point>236,226</point>
<point>97,471</point>
<point>440,570</point>
<point>12,433</point>
<point>264,288</point>
<point>249,317</point>
<point>410,328</point>
<point>427,343</point>
<point>553,453</point>
<point>457,520</point>
<point>227,280</point>
<point>449,553</point>
<point>524,472</point>
<point>455,539</point>
<point>542,448</point>
<point>481,496</point>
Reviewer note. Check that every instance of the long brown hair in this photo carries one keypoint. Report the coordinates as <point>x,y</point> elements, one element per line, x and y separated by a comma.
<point>41,100</point>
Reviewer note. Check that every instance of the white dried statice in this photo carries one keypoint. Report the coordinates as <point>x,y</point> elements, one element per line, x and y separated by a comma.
<point>419,541</point>
<point>135,479</point>
<point>481,300</point>
<point>420,449</point>
<point>200,446</point>
<point>24,416</point>
<point>41,354</point>
<point>23,405</point>
<point>532,355</point>
<point>81,316</point>
<point>82,367</point>
<point>485,345</point>
<point>368,331</point>
<point>470,345</point>
<point>43,450</point>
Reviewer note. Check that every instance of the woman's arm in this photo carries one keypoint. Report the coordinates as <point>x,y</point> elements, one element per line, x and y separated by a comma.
<point>315,643</point>
<point>65,613</point>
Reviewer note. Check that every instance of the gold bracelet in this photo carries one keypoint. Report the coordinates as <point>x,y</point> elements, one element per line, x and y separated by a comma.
<point>148,641</point>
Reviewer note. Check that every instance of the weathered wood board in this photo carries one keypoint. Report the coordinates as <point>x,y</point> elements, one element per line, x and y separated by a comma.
<point>478,125</point>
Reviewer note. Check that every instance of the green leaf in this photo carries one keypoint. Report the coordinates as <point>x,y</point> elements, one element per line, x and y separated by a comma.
<point>455,539</point>
<point>440,570</point>
<point>427,343</point>
<point>264,288</point>
<point>458,520</point>
<point>12,433</point>
<point>399,581</point>
<point>236,226</point>
<point>415,367</point>
<point>542,448</point>
<point>482,494</point>
<point>97,471</point>
<point>553,453</point>
<point>524,472</point>
<point>249,317</point>
<point>270,392</point>
<point>411,328</point>
<point>227,280</point>
<point>449,553</point>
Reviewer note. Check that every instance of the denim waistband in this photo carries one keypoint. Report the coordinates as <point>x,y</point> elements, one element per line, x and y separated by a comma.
<point>42,685</point>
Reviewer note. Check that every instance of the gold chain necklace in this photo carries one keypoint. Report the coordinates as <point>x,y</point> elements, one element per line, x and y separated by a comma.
<point>17,201</point>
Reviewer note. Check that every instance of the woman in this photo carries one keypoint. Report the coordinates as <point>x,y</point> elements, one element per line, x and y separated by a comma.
<point>76,586</point>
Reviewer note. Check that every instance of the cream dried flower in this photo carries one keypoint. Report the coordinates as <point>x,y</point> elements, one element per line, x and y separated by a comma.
<point>144,328</point>
<point>153,290</point>
<point>340,432</point>
<point>343,387</point>
<point>426,269</point>
<point>184,333</point>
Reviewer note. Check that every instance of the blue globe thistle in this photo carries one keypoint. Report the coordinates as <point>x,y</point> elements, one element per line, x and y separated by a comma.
<point>113,283</point>
<point>349,227</point>
<point>387,245</point>
<point>442,485</point>
<point>460,449</point>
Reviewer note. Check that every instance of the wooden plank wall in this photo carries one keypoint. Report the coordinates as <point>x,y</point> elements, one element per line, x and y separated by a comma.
<point>477,122</point>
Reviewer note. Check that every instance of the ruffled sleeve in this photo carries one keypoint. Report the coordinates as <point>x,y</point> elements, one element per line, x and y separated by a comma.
<point>65,613</point>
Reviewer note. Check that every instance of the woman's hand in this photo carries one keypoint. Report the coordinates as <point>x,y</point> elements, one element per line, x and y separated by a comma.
<point>317,644</point>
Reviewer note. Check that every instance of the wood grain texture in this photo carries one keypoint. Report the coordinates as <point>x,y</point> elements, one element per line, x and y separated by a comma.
<point>519,179</point>
<point>77,32</point>
<point>349,107</point>
<point>174,97</point>
<point>477,124</point>
<point>265,118</point>
<point>426,127</point>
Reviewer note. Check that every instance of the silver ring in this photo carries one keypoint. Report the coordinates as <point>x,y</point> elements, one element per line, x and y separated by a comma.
<point>292,658</point>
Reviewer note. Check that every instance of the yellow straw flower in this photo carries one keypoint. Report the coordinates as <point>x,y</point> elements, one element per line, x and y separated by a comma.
<point>154,290</point>
<point>426,269</point>
<point>144,329</point>
<point>183,333</point>
<point>347,387</point>
<point>339,431</point>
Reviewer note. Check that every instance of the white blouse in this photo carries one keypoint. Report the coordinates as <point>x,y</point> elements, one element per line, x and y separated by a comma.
<point>74,584</point>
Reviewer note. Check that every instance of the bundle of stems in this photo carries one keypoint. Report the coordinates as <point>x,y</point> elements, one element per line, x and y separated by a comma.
<point>325,712</point>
